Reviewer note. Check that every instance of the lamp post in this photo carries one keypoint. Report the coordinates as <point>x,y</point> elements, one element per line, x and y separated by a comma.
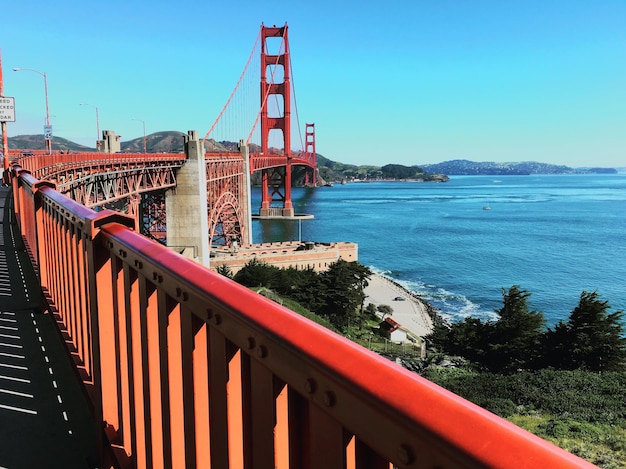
<point>97,124</point>
<point>48,128</point>
<point>144,134</point>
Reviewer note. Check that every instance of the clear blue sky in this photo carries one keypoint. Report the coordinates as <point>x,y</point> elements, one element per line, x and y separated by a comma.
<point>409,82</point>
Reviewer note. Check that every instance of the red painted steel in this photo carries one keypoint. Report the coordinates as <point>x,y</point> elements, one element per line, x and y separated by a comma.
<point>311,154</point>
<point>185,367</point>
<point>127,182</point>
<point>281,122</point>
<point>226,200</point>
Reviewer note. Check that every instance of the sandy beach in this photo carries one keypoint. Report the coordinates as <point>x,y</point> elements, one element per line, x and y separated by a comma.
<point>411,312</point>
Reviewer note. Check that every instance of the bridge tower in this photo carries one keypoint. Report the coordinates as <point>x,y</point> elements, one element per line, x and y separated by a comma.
<point>311,176</point>
<point>278,178</point>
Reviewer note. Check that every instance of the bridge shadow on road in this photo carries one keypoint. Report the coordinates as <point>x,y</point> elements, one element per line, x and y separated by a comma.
<point>45,420</point>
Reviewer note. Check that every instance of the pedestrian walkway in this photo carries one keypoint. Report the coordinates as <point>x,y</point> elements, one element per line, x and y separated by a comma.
<point>44,414</point>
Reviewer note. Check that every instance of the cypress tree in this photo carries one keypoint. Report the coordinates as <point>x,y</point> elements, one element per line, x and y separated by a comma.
<point>596,336</point>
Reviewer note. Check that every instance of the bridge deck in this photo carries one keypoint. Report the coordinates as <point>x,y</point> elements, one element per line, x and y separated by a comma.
<point>44,415</point>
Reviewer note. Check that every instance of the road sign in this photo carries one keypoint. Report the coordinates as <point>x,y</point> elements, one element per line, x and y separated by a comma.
<point>7,109</point>
<point>47,132</point>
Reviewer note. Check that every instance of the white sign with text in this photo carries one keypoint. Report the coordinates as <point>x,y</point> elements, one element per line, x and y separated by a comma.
<point>7,109</point>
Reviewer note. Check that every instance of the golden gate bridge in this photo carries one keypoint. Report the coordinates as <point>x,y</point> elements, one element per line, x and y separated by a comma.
<point>186,369</point>
<point>138,183</point>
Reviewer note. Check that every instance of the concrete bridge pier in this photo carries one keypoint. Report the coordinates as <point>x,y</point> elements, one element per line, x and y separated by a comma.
<point>186,205</point>
<point>110,142</point>
<point>247,193</point>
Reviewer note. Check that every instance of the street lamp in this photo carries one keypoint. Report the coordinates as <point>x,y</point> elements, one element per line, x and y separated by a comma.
<point>48,128</point>
<point>97,124</point>
<point>144,134</point>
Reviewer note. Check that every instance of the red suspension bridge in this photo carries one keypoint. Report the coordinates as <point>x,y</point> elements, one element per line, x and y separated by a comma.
<point>186,369</point>
<point>138,184</point>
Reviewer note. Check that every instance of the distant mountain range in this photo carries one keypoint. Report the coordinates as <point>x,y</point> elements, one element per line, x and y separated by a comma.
<point>466,167</point>
<point>159,142</point>
<point>330,171</point>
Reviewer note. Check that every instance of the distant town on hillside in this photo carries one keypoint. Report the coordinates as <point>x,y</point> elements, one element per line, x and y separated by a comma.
<point>333,171</point>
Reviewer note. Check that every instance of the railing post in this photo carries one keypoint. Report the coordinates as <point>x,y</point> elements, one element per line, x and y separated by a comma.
<point>103,274</point>
<point>40,248</point>
<point>28,210</point>
<point>17,195</point>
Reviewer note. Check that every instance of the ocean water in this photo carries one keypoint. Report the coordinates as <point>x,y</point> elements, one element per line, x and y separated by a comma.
<point>554,235</point>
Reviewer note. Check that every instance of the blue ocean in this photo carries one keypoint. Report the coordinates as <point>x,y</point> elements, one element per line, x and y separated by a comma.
<point>459,243</point>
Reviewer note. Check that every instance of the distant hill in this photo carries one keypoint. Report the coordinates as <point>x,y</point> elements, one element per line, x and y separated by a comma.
<point>334,171</point>
<point>466,167</point>
<point>37,142</point>
<point>158,142</point>
<point>328,170</point>
<point>172,142</point>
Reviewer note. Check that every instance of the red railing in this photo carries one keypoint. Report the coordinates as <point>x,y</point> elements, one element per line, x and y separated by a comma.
<point>42,164</point>
<point>188,369</point>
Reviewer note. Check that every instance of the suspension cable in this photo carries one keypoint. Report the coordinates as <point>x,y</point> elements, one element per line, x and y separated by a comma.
<point>267,92</point>
<point>234,90</point>
<point>293,86</point>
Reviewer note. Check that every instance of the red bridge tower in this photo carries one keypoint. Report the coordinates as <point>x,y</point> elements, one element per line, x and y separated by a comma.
<point>311,153</point>
<point>280,177</point>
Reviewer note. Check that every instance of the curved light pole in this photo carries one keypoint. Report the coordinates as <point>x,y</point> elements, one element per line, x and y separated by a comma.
<point>97,124</point>
<point>144,134</point>
<point>45,84</point>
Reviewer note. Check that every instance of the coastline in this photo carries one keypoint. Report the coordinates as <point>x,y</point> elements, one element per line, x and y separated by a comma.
<point>412,312</point>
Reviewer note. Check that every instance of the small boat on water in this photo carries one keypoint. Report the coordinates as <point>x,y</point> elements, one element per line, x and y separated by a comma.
<point>486,207</point>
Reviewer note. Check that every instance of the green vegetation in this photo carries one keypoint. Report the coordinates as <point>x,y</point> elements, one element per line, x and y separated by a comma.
<point>333,299</point>
<point>580,411</point>
<point>592,339</point>
<point>336,294</point>
<point>335,171</point>
<point>566,384</point>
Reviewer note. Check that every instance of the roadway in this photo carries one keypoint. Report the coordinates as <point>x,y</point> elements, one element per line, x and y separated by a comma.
<point>44,414</point>
<point>410,312</point>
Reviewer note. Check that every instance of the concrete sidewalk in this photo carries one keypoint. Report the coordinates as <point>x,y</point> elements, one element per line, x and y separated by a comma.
<point>45,419</point>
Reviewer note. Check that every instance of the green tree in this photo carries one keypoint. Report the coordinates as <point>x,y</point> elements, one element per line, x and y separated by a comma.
<point>256,274</point>
<point>557,353</point>
<point>224,270</point>
<point>517,335</point>
<point>370,310</point>
<point>596,336</point>
<point>345,283</point>
<point>468,338</point>
<point>385,310</point>
<point>307,288</point>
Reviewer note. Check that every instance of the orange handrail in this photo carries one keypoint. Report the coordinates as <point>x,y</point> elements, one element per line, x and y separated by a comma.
<point>189,369</point>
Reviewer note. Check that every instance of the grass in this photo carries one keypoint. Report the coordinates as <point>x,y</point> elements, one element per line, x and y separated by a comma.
<point>603,445</point>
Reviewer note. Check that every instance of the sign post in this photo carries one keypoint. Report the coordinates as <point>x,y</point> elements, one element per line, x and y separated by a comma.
<point>7,114</point>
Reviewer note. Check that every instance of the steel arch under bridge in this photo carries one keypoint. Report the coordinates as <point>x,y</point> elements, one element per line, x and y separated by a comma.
<point>137,184</point>
<point>226,199</point>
